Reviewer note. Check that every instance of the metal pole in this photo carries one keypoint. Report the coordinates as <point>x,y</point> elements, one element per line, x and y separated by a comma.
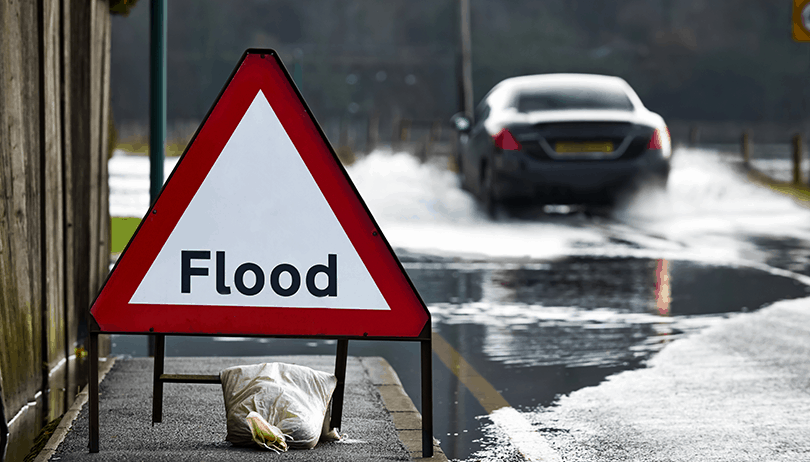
<point>340,372</point>
<point>466,57</point>
<point>157,105</point>
<point>157,387</point>
<point>157,95</point>
<point>93,391</point>
<point>427,397</point>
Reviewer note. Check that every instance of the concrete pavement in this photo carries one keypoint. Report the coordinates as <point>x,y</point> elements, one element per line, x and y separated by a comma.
<point>379,419</point>
<point>738,391</point>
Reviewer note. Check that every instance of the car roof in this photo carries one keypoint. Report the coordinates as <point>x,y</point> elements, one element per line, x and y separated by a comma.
<point>551,79</point>
<point>502,92</point>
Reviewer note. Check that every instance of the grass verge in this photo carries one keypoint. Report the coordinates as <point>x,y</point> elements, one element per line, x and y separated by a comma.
<point>122,229</point>
<point>799,192</point>
<point>172,149</point>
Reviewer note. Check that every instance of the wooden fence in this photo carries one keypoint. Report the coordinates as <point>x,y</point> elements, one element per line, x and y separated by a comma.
<point>54,218</point>
<point>758,143</point>
<point>796,151</point>
<point>358,135</point>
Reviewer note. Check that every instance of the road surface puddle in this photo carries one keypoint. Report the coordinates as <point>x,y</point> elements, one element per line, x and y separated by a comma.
<point>585,311</point>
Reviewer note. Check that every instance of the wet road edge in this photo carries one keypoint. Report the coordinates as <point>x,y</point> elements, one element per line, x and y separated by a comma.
<point>67,420</point>
<point>407,419</point>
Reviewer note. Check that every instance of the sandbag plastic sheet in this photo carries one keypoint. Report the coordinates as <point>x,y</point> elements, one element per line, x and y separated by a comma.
<point>291,399</point>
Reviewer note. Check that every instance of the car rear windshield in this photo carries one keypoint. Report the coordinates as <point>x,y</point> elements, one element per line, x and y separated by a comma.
<point>557,98</point>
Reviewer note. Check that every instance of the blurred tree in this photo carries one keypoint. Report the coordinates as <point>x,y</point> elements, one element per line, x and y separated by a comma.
<point>689,59</point>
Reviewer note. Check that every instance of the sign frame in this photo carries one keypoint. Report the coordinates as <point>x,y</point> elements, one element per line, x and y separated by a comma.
<point>341,356</point>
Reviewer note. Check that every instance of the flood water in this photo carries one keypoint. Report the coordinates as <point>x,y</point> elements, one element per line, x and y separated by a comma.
<point>534,330</point>
<point>545,303</point>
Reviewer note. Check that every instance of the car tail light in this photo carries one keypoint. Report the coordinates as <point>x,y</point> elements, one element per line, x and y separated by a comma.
<point>658,141</point>
<point>505,140</point>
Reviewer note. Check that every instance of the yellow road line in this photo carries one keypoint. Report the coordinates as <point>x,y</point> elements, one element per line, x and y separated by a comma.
<point>482,390</point>
<point>530,443</point>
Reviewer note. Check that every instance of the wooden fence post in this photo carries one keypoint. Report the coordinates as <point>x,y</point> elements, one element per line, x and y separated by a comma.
<point>55,253</point>
<point>395,120</point>
<point>21,216</point>
<point>694,136</point>
<point>373,133</point>
<point>746,149</point>
<point>797,159</point>
<point>55,353</point>
<point>405,130</point>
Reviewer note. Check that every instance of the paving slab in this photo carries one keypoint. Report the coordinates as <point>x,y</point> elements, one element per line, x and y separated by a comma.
<point>194,427</point>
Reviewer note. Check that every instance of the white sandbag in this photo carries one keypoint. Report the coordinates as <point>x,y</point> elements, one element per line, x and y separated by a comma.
<point>289,398</point>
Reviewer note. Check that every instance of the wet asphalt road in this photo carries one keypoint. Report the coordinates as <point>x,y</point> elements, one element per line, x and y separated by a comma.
<point>542,303</point>
<point>539,329</point>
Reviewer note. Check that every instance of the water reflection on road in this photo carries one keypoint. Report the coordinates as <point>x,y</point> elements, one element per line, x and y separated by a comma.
<point>540,330</point>
<point>587,311</point>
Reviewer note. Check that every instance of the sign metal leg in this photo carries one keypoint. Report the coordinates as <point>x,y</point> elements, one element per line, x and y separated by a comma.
<point>157,392</point>
<point>427,397</point>
<point>93,391</point>
<point>340,372</point>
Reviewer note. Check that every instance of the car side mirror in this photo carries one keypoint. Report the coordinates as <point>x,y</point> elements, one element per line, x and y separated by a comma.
<point>461,122</point>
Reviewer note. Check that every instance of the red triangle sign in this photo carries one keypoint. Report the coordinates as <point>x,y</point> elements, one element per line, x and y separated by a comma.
<point>260,231</point>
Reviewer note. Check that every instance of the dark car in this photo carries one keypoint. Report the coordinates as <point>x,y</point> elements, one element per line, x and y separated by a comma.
<point>561,139</point>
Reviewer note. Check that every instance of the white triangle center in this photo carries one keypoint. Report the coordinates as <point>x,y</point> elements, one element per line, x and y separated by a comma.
<point>260,213</point>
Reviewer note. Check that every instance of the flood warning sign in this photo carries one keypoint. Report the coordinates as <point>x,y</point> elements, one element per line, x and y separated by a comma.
<point>247,230</point>
<point>260,231</point>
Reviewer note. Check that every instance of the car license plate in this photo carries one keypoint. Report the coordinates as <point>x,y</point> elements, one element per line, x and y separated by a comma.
<point>569,147</point>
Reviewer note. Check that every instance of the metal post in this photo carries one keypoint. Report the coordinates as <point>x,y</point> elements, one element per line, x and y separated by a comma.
<point>340,372</point>
<point>157,95</point>
<point>157,105</point>
<point>466,57</point>
<point>157,387</point>
<point>93,391</point>
<point>427,397</point>
<point>797,159</point>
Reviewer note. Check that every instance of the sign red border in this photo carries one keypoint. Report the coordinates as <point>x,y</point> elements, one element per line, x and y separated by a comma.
<point>260,70</point>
